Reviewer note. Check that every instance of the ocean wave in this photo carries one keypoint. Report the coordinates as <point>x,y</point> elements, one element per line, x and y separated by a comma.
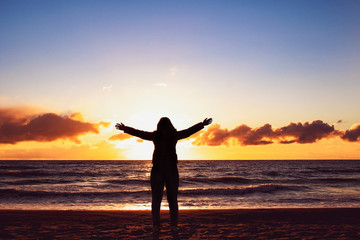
<point>335,180</point>
<point>129,181</point>
<point>266,188</point>
<point>240,183</point>
<point>14,167</point>
<point>16,193</point>
<point>336,171</point>
<point>218,180</point>
<point>19,173</point>
<point>37,181</point>
<point>59,173</point>
<point>271,173</point>
<point>58,180</point>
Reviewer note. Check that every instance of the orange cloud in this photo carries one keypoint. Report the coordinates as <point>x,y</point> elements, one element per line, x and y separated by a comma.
<point>214,136</point>
<point>120,136</point>
<point>353,134</point>
<point>293,133</point>
<point>306,133</point>
<point>17,125</point>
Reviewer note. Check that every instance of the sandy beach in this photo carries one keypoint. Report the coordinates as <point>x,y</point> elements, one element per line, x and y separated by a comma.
<point>338,223</point>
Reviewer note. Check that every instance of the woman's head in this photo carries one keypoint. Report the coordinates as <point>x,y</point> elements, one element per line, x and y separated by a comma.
<point>165,126</point>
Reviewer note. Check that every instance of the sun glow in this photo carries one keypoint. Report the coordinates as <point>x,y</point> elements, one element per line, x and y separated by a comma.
<point>138,149</point>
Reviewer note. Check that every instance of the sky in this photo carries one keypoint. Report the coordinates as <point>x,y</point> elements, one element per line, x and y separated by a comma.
<point>281,79</point>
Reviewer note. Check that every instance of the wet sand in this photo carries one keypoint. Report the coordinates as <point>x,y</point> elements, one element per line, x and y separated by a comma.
<point>320,223</point>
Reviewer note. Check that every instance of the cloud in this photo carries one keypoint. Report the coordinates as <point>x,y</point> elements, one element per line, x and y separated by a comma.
<point>77,116</point>
<point>353,134</point>
<point>305,133</point>
<point>257,136</point>
<point>120,136</point>
<point>308,132</point>
<point>242,134</point>
<point>214,136</point>
<point>18,125</point>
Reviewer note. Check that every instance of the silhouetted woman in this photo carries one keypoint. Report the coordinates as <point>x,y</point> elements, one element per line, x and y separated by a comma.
<point>164,170</point>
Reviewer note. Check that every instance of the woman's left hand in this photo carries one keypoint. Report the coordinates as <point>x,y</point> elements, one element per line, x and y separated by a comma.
<point>207,121</point>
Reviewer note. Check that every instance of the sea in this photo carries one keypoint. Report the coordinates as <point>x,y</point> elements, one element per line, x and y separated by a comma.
<point>125,185</point>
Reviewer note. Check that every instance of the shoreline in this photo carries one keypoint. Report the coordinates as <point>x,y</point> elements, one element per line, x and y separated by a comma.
<point>288,223</point>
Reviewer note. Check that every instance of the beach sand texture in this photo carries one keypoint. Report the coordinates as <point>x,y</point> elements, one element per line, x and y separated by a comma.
<point>320,223</point>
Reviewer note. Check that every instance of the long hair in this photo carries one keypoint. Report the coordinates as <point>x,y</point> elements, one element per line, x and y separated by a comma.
<point>165,126</point>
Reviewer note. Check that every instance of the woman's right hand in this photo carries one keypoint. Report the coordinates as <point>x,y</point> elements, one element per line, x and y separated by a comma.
<point>120,126</point>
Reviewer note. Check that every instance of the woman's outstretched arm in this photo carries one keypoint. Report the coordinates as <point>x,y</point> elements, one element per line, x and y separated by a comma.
<point>191,130</point>
<point>135,132</point>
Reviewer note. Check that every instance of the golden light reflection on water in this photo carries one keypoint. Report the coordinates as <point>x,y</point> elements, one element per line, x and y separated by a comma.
<point>146,206</point>
<point>136,207</point>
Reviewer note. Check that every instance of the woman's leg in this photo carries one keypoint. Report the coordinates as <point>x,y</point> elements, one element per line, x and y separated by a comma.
<point>172,186</point>
<point>157,188</point>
